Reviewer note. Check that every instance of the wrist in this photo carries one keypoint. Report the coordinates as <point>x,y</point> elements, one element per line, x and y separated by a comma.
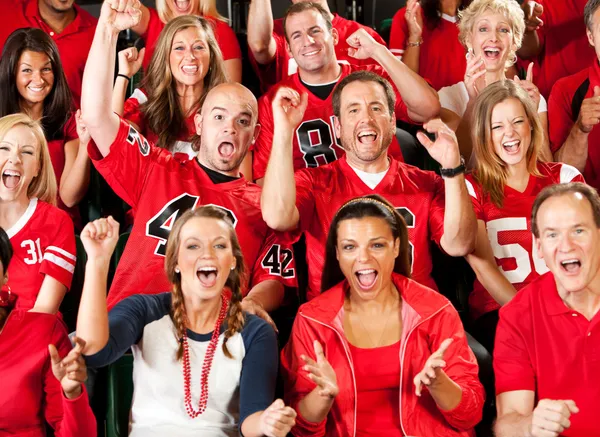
<point>453,168</point>
<point>99,262</point>
<point>73,394</point>
<point>379,52</point>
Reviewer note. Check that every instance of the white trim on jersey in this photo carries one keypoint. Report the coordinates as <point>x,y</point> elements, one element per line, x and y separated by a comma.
<point>14,230</point>
<point>568,173</point>
<point>62,252</point>
<point>139,95</point>
<point>61,262</point>
<point>470,188</point>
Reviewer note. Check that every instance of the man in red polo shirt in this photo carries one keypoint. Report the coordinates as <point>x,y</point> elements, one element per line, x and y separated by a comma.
<point>574,109</point>
<point>71,28</point>
<point>269,53</point>
<point>548,337</point>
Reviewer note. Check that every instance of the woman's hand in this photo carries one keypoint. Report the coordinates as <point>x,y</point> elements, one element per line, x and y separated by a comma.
<point>432,369</point>
<point>118,15</point>
<point>130,61</point>
<point>528,86</point>
<point>277,420</point>
<point>321,372</point>
<point>414,21</point>
<point>100,237</point>
<point>251,306</point>
<point>70,371</point>
<point>474,75</point>
<point>82,131</point>
<point>445,147</point>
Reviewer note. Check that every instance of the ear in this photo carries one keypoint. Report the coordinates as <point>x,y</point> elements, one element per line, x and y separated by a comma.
<point>337,127</point>
<point>335,36</point>
<point>590,37</point>
<point>257,129</point>
<point>198,123</point>
<point>396,247</point>
<point>538,246</point>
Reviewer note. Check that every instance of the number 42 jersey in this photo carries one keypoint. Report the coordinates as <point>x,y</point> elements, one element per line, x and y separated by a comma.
<point>509,230</point>
<point>160,188</point>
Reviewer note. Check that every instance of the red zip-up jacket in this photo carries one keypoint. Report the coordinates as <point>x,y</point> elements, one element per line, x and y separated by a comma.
<point>435,320</point>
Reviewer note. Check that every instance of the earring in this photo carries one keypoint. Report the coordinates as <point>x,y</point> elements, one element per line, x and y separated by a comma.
<point>232,267</point>
<point>176,269</point>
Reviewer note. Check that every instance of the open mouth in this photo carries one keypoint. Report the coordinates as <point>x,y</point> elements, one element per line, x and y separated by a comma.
<point>226,149</point>
<point>571,265</point>
<point>182,5</point>
<point>207,276</point>
<point>36,89</point>
<point>512,147</point>
<point>11,178</point>
<point>492,53</point>
<point>189,69</point>
<point>367,137</point>
<point>366,278</point>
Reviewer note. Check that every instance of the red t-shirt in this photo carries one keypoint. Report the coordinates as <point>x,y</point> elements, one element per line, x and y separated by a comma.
<point>417,195</point>
<point>544,346</point>
<point>43,241</point>
<point>566,49</point>
<point>224,35</point>
<point>284,65</point>
<point>561,117</point>
<point>73,42</point>
<point>315,142</point>
<point>441,57</point>
<point>509,230</point>
<point>160,187</point>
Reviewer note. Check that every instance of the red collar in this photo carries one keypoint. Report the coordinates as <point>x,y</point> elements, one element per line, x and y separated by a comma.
<point>552,300</point>
<point>81,17</point>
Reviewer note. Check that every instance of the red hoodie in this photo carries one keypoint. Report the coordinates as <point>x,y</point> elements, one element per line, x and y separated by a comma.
<point>435,319</point>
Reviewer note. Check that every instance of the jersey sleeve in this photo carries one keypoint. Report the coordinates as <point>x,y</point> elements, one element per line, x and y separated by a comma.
<point>454,98</point>
<point>131,109</point>
<point>398,34</point>
<point>400,109</point>
<point>305,200</point>
<point>437,210</point>
<point>60,252</point>
<point>128,165</point>
<point>560,118</point>
<point>568,173</point>
<point>264,142</point>
<point>271,73</point>
<point>227,40</point>
<point>476,197</point>
<point>276,260</point>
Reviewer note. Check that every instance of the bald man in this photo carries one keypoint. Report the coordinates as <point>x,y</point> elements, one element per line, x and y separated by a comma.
<point>160,187</point>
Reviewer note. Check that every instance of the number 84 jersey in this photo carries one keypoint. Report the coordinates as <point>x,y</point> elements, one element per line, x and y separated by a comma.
<point>509,230</point>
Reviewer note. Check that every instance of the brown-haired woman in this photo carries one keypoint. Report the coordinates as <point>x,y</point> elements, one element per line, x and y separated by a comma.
<point>507,139</point>
<point>425,381</point>
<point>195,332</point>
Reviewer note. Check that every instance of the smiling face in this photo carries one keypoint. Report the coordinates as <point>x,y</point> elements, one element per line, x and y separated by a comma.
<point>190,56</point>
<point>310,42</point>
<point>19,162</point>
<point>492,38</point>
<point>511,131</point>
<point>366,251</point>
<point>34,77</point>
<point>569,241</point>
<point>205,257</point>
<point>182,7</point>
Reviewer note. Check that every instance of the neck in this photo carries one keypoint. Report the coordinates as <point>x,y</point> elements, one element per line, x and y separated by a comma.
<point>329,73</point>
<point>377,166</point>
<point>586,302</point>
<point>450,7</point>
<point>34,110</point>
<point>493,76</point>
<point>235,173</point>
<point>386,300</point>
<point>202,314</point>
<point>55,19</point>
<point>188,96</point>
<point>518,175</point>
<point>12,211</point>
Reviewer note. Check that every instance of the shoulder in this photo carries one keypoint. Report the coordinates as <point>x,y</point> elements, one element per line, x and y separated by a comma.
<point>424,180</point>
<point>51,214</point>
<point>148,306</point>
<point>47,328</point>
<point>559,172</point>
<point>456,91</point>
<point>525,300</point>
<point>400,15</point>
<point>423,299</point>
<point>255,328</point>
<point>473,186</point>
<point>568,85</point>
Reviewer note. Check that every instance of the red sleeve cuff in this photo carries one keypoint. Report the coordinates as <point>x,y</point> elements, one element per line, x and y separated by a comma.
<point>468,412</point>
<point>309,429</point>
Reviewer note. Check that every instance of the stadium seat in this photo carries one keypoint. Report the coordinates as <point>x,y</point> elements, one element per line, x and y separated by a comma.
<point>120,394</point>
<point>70,304</point>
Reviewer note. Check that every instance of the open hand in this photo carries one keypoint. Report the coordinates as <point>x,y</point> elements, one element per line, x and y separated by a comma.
<point>533,10</point>
<point>70,371</point>
<point>321,372</point>
<point>528,85</point>
<point>288,108</point>
<point>550,418</point>
<point>100,237</point>
<point>120,15</point>
<point>433,367</point>
<point>445,147</point>
<point>277,420</point>
<point>475,75</point>
<point>414,20</point>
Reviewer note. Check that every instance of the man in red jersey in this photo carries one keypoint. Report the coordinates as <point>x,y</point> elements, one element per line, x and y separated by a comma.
<point>71,28</point>
<point>363,104</point>
<point>548,338</point>
<point>312,41</point>
<point>574,110</point>
<point>269,52</point>
<point>555,37</point>
<point>160,187</point>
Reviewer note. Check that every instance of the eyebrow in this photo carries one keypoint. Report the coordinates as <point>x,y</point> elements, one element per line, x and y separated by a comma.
<point>518,116</point>
<point>372,239</point>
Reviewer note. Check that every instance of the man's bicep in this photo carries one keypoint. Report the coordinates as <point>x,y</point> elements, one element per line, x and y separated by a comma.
<point>517,401</point>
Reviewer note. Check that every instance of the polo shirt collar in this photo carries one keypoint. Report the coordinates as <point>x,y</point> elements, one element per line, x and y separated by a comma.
<point>552,300</point>
<point>32,10</point>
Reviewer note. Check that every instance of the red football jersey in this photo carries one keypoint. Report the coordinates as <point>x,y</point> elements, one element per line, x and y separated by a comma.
<point>160,187</point>
<point>441,57</point>
<point>315,142</point>
<point>43,242</point>
<point>224,35</point>
<point>284,65</point>
<point>509,230</point>
<point>418,196</point>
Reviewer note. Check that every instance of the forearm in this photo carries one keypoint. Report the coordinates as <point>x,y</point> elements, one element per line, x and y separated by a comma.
<point>460,223</point>
<point>421,100</point>
<point>531,46</point>
<point>446,393</point>
<point>268,294</point>
<point>314,408</point>
<point>74,184</point>
<point>260,31</point>
<point>92,318</point>
<point>411,57</point>
<point>574,150</point>
<point>233,67</point>
<point>513,425</point>
<point>251,426</point>
<point>491,278</point>
<point>118,95</point>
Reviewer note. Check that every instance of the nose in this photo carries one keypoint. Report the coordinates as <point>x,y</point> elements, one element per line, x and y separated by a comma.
<point>190,54</point>
<point>565,244</point>
<point>37,77</point>
<point>208,252</point>
<point>230,126</point>
<point>307,39</point>
<point>363,254</point>
<point>14,156</point>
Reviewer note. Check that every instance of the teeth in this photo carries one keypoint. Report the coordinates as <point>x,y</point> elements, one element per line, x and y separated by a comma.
<point>11,173</point>
<point>511,143</point>
<point>311,53</point>
<point>36,89</point>
<point>570,261</point>
<point>207,269</point>
<point>493,50</point>
<point>366,133</point>
<point>365,272</point>
<point>190,68</point>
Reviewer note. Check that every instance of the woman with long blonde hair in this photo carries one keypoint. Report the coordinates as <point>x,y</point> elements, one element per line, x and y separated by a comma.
<point>508,137</point>
<point>41,234</point>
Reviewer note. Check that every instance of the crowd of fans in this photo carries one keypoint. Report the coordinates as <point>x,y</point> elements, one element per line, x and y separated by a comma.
<point>243,206</point>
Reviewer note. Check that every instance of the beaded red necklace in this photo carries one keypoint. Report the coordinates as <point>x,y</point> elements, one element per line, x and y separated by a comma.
<point>206,365</point>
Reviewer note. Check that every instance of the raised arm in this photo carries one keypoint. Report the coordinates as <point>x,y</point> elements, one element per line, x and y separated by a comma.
<point>102,123</point>
<point>260,31</point>
<point>130,62</point>
<point>278,198</point>
<point>421,100</point>
<point>412,46</point>
<point>531,46</point>
<point>75,179</point>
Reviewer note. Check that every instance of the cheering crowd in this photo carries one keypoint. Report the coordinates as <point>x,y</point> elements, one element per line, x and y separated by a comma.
<point>364,166</point>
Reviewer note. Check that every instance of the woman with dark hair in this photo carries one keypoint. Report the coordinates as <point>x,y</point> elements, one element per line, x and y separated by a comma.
<point>424,35</point>
<point>195,332</point>
<point>37,385</point>
<point>32,81</point>
<point>425,381</point>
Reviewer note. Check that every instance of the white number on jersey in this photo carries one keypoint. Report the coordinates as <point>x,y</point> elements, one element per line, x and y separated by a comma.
<point>34,251</point>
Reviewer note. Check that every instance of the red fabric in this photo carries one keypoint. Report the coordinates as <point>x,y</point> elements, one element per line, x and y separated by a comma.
<point>30,393</point>
<point>160,187</point>
<point>73,42</point>
<point>284,65</point>
<point>418,195</point>
<point>315,142</point>
<point>441,57</point>
<point>43,241</point>
<point>321,319</point>
<point>543,346</point>
<point>565,47</point>
<point>224,35</point>
<point>509,231</point>
<point>561,118</point>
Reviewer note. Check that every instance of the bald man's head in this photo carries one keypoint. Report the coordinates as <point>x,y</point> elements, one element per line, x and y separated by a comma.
<point>234,92</point>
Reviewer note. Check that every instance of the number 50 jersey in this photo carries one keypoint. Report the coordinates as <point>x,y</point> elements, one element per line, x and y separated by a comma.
<point>509,230</point>
<point>160,188</point>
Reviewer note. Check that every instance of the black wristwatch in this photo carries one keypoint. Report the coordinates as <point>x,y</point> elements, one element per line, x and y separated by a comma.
<point>452,172</point>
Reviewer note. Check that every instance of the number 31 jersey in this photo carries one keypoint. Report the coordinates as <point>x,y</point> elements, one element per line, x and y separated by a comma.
<point>160,188</point>
<point>509,230</point>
